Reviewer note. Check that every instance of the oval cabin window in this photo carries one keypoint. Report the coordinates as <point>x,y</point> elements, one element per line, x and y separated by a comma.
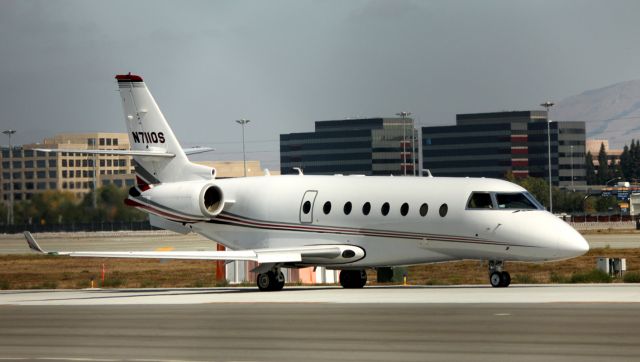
<point>404,209</point>
<point>306,207</point>
<point>443,210</point>
<point>366,208</point>
<point>327,207</point>
<point>347,208</point>
<point>385,209</point>
<point>424,208</point>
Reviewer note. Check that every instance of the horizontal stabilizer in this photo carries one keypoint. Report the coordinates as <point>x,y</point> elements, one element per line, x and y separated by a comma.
<point>196,150</point>
<point>111,152</point>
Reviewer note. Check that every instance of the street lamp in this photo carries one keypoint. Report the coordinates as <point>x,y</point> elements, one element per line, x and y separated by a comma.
<point>613,179</point>
<point>548,105</point>
<point>10,132</point>
<point>404,115</point>
<point>243,122</point>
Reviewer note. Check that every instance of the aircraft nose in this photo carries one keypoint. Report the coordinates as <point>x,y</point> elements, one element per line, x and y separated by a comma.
<point>570,243</point>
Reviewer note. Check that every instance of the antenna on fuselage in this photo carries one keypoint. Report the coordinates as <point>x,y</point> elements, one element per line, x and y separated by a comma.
<point>299,171</point>
<point>427,171</point>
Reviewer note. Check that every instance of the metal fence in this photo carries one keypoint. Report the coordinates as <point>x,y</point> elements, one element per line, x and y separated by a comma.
<point>97,226</point>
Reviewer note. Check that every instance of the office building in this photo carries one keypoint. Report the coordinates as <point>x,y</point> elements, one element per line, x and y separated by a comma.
<point>368,146</point>
<point>35,171</point>
<point>495,144</point>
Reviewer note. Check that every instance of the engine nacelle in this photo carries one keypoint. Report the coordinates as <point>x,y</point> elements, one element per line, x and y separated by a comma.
<point>199,199</point>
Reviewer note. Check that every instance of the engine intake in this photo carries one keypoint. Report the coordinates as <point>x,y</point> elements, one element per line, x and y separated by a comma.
<point>212,200</point>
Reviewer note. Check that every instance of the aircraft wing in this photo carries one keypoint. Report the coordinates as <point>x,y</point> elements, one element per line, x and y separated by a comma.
<point>274,255</point>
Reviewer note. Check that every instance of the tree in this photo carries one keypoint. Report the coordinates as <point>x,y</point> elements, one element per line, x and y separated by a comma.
<point>626,166</point>
<point>538,187</point>
<point>634,153</point>
<point>49,207</point>
<point>55,207</point>
<point>604,204</point>
<point>590,169</point>
<point>568,201</point>
<point>110,206</point>
<point>604,173</point>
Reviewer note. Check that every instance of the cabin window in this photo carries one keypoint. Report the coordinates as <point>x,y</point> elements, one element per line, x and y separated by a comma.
<point>347,208</point>
<point>306,207</point>
<point>424,208</point>
<point>514,201</point>
<point>404,209</point>
<point>327,207</point>
<point>385,209</point>
<point>443,210</point>
<point>480,200</point>
<point>366,208</point>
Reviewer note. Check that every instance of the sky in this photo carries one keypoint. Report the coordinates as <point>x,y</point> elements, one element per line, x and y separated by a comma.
<point>286,64</point>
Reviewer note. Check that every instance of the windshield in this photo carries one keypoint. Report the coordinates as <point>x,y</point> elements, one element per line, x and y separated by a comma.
<point>515,201</point>
<point>503,200</point>
<point>480,200</point>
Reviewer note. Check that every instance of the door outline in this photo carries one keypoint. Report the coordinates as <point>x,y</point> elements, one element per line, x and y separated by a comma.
<point>310,196</point>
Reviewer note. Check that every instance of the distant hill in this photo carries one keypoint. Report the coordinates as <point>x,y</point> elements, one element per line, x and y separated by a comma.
<point>611,112</point>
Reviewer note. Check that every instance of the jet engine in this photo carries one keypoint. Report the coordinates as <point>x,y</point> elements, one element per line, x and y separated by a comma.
<point>194,198</point>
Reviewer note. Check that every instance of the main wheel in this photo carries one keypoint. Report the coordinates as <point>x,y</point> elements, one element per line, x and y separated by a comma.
<point>266,281</point>
<point>345,278</point>
<point>361,280</point>
<point>279,282</point>
<point>351,279</point>
<point>506,279</point>
<point>495,279</point>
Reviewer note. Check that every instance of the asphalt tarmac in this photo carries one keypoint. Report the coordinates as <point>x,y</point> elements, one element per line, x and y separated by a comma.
<point>322,332</point>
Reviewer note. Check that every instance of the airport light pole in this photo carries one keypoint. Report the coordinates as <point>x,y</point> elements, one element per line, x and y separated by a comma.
<point>548,105</point>
<point>243,122</point>
<point>571,147</point>
<point>404,115</point>
<point>413,147</point>
<point>10,219</point>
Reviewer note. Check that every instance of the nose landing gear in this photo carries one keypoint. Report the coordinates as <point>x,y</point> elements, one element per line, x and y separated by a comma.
<point>273,280</point>
<point>497,277</point>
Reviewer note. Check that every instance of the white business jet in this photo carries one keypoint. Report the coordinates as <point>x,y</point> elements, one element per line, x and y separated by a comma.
<point>349,223</point>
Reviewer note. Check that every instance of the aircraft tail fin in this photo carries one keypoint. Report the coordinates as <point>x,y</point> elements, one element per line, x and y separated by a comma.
<point>149,131</point>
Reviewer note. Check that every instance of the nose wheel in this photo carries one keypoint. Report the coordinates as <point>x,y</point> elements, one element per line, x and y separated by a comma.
<point>497,277</point>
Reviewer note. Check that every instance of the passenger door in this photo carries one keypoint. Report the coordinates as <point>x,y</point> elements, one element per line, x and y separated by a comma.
<point>306,206</point>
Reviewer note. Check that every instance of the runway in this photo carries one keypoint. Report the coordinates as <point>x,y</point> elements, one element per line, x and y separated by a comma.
<point>322,332</point>
<point>462,294</point>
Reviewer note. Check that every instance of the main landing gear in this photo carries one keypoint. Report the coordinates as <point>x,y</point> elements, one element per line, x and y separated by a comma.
<point>352,279</point>
<point>273,280</point>
<point>497,277</point>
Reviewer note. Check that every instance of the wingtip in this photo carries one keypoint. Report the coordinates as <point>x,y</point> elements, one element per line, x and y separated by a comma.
<point>33,245</point>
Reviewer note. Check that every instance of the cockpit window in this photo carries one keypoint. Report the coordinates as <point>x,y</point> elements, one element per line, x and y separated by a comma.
<point>480,200</point>
<point>515,201</point>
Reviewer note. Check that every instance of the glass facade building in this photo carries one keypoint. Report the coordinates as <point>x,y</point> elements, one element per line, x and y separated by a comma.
<point>369,146</point>
<point>494,144</point>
